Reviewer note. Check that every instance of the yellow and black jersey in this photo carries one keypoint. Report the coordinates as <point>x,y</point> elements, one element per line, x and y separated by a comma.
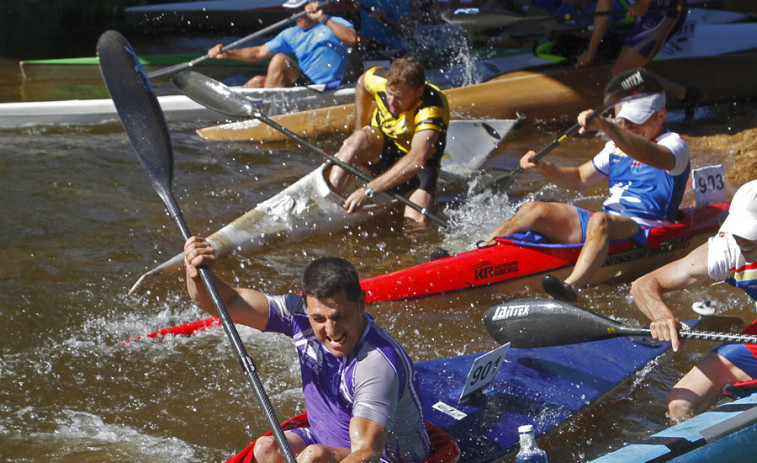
<point>430,113</point>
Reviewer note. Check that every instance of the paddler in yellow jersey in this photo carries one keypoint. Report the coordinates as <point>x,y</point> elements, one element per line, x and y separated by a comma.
<point>401,141</point>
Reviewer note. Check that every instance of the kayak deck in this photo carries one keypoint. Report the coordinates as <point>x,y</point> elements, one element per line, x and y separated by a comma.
<point>724,434</point>
<point>514,264</point>
<point>540,386</point>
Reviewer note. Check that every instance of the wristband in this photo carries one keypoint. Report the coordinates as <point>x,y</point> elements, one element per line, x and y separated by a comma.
<point>368,192</point>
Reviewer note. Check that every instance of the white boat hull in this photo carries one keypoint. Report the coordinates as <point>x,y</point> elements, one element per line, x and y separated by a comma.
<point>309,205</point>
<point>176,108</point>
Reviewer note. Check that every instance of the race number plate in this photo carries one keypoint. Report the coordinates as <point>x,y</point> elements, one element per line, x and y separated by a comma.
<point>483,371</point>
<point>709,185</point>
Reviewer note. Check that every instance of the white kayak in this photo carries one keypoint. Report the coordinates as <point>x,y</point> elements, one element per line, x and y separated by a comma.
<point>271,101</point>
<point>176,108</point>
<point>309,205</point>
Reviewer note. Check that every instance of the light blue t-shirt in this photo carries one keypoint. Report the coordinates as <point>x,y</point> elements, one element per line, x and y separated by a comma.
<point>320,54</point>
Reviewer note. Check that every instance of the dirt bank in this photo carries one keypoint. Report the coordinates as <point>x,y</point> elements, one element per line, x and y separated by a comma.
<point>727,135</point>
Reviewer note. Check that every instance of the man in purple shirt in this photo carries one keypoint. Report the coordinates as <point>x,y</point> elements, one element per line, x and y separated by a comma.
<point>360,386</point>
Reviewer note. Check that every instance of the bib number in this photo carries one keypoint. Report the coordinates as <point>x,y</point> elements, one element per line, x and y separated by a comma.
<point>483,370</point>
<point>709,185</point>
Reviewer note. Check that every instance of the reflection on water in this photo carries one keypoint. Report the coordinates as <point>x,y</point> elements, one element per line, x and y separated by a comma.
<point>81,223</point>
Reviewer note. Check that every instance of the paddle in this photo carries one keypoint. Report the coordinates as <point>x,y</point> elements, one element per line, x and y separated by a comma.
<point>530,323</point>
<point>624,86</point>
<point>261,33</point>
<point>476,19</point>
<point>218,97</point>
<point>146,126</point>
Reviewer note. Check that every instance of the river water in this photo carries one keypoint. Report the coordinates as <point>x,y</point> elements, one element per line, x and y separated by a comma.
<point>81,223</point>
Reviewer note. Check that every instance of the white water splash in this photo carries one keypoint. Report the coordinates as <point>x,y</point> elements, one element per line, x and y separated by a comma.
<point>79,431</point>
<point>476,218</point>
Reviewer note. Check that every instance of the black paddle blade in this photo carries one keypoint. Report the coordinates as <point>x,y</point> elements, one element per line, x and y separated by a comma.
<point>528,323</point>
<point>138,108</point>
<point>630,83</point>
<point>212,94</point>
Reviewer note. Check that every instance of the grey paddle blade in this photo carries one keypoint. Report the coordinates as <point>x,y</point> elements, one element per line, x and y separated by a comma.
<point>212,94</point>
<point>528,323</point>
<point>137,107</point>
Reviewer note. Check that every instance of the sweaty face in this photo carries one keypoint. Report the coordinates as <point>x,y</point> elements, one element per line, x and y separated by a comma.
<point>748,248</point>
<point>401,97</point>
<point>337,322</point>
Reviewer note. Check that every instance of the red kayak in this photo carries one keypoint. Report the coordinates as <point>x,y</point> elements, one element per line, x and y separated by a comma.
<point>517,262</point>
<point>444,449</point>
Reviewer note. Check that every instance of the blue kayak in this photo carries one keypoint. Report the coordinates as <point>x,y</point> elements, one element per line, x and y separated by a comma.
<point>538,386</point>
<point>727,433</point>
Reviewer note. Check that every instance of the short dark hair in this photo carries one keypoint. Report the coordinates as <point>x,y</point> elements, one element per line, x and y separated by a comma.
<point>406,71</point>
<point>326,276</point>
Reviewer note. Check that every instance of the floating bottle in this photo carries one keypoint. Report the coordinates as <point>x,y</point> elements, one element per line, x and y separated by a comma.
<point>529,452</point>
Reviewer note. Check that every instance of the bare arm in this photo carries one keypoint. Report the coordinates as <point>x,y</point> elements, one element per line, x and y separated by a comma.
<point>408,165</point>
<point>346,34</point>
<point>637,147</point>
<point>367,439</point>
<point>363,102</point>
<point>403,170</point>
<point>248,54</point>
<point>245,306</point>
<point>647,291</point>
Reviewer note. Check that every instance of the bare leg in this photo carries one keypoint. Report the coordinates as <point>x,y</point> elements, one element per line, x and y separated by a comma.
<point>361,147</point>
<point>255,82</point>
<point>602,228</point>
<point>322,454</point>
<point>282,72</point>
<point>557,221</point>
<point>267,450</point>
<point>701,386</point>
<point>423,199</point>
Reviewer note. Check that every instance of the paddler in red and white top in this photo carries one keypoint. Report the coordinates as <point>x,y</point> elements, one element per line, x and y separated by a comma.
<point>402,141</point>
<point>729,256</point>
<point>647,168</point>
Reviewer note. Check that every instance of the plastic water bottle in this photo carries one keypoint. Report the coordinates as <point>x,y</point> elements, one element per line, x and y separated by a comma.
<point>529,452</point>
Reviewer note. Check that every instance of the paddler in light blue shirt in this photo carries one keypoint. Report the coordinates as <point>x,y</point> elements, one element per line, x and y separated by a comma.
<point>320,43</point>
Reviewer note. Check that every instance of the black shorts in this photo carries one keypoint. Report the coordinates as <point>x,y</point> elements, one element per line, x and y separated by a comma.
<point>424,180</point>
<point>302,80</point>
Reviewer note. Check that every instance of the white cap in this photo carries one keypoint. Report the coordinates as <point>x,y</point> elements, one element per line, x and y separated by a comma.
<point>525,428</point>
<point>742,214</point>
<point>638,110</point>
<point>294,3</point>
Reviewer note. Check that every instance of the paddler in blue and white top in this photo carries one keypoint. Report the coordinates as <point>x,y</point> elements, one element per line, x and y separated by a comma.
<point>729,256</point>
<point>320,43</point>
<point>360,386</point>
<point>402,141</point>
<point>647,167</point>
